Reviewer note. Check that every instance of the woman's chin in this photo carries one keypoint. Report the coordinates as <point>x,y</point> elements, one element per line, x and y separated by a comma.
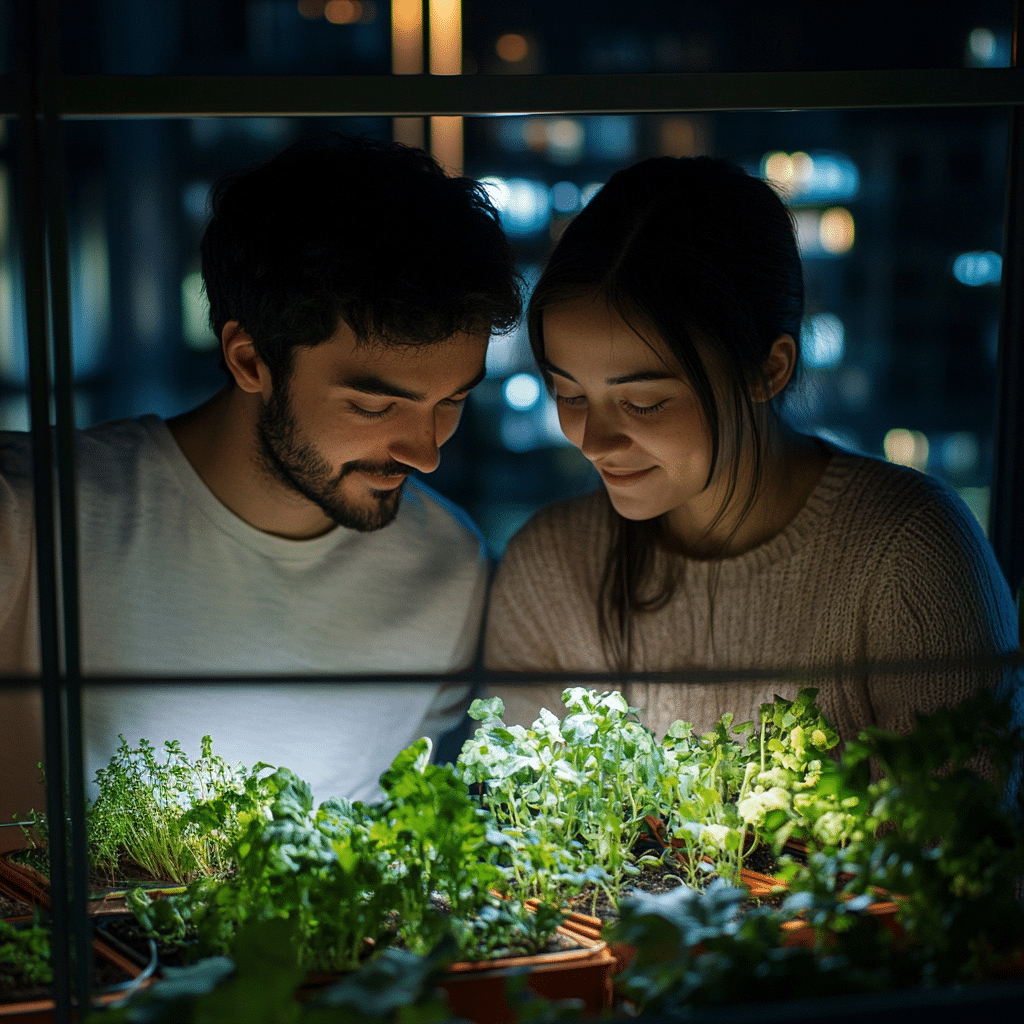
<point>633,507</point>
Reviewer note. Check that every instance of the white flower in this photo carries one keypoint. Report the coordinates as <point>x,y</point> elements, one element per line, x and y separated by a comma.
<point>773,777</point>
<point>776,799</point>
<point>715,835</point>
<point>831,827</point>
<point>751,809</point>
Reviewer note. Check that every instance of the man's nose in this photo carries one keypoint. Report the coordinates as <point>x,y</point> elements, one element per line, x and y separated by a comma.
<point>416,444</point>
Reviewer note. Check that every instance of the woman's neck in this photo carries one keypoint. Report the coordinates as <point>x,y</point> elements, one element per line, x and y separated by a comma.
<point>792,467</point>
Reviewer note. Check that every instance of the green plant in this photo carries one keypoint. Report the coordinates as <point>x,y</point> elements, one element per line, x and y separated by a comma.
<point>950,848</point>
<point>259,984</point>
<point>698,949</point>
<point>323,872</point>
<point>414,868</point>
<point>946,841</point>
<point>25,949</point>
<point>569,796</point>
<point>165,815</point>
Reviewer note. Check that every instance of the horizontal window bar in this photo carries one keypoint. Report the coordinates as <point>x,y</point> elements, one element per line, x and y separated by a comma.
<point>98,96</point>
<point>822,673</point>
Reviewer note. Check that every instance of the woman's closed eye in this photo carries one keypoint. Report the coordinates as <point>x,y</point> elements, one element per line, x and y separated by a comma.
<point>644,410</point>
<point>570,399</point>
<point>573,401</point>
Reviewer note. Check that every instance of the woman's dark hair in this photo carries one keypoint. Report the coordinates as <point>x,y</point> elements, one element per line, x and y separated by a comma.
<point>371,233</point>
<point>702,256</point>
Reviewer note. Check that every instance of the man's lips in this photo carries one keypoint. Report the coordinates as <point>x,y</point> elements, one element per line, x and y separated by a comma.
<point>379,482</point>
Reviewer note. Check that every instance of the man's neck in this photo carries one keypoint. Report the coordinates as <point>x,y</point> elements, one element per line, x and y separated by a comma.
<point>219,440</point>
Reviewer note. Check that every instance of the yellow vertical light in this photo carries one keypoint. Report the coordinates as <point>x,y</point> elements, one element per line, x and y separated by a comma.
<point>446,59</point>
<point>446,143</point>
<point>407,59</point>
<point>446,37</point>
<point>407,37</point>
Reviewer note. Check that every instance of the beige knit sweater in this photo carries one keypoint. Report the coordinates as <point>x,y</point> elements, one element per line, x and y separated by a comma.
<point>883,564</point>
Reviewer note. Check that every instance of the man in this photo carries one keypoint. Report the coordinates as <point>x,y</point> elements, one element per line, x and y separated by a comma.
<point>276,529</point>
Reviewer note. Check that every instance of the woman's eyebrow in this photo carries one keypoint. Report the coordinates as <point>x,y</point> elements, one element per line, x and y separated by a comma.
<point>627,378</point>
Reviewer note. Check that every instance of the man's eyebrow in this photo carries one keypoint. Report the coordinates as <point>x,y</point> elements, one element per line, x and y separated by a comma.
<point>371,384</point>
<point>627,378</point>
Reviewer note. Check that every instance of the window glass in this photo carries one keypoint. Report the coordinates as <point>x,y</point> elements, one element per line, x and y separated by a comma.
<point>322,37</point>
<point>898,215</point>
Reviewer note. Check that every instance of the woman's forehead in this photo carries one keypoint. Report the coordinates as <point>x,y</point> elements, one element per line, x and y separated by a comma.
<point>590,330</point>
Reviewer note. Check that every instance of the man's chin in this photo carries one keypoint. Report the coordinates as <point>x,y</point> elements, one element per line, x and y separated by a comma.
<point>380,512</point>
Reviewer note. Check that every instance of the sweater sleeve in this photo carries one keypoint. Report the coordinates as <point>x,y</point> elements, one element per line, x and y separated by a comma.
<point>541,616</point>
<point>942,606</point>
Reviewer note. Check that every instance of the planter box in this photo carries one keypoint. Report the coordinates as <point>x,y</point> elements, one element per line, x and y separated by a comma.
<point>24,882</point>
<point>477,991</point>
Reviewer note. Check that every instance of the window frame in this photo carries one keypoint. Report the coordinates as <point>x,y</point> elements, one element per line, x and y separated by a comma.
<point>40,99</point>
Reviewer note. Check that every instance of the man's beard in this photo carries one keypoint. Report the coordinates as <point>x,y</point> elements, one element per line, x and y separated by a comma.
<point>300,467</point>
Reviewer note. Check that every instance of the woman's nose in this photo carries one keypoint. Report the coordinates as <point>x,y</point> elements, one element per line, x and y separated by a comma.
<point>602,436</point>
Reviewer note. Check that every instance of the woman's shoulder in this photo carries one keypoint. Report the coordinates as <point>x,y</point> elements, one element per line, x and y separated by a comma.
<point>574,524</point>
<point>908,517</point>
<point>866,489</point>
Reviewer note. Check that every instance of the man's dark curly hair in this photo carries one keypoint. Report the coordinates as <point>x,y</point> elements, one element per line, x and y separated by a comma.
<point>348,229</point>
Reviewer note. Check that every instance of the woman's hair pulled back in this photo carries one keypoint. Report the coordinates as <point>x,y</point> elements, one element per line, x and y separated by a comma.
<point>702,256</point>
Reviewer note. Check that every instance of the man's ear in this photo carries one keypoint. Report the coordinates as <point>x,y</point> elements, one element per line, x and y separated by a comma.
<point>779,366</point>
<point>243,362</point>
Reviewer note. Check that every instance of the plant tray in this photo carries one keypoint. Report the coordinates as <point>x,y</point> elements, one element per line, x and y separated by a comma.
<point>477,992</point>
<point>24,882</point>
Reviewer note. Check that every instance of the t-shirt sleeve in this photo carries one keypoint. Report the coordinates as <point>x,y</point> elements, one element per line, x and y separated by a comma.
<point>943,609</point>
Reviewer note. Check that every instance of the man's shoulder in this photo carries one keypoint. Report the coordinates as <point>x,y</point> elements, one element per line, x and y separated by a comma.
<point>429,519</point>
<point>443,509</point>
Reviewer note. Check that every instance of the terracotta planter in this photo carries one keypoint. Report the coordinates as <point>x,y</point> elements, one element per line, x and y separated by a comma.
<point>797,933</point>
<point>43,1011</point>
<point>24,882</point>
<point>477,990</point>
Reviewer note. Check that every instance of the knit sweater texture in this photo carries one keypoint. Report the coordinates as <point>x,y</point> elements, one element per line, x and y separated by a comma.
<point>882,566</point>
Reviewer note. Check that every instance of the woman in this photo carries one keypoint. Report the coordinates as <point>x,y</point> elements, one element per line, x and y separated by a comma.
<point>667,326</point>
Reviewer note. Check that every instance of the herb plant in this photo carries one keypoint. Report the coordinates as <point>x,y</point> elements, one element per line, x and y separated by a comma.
<point>571,797</point>
<point>164,815</point>
<point>946,842</point>
<point>351,877</point>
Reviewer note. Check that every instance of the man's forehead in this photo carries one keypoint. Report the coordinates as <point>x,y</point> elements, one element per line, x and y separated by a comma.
<point>451,365</point>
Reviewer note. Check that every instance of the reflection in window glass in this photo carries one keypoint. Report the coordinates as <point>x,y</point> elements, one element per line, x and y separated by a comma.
<point>899,217</point>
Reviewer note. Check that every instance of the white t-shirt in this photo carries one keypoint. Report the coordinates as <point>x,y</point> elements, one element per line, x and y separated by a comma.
<point>173,583</point>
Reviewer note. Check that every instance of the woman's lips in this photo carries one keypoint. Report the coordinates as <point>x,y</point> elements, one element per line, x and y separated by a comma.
<point>621,477</point>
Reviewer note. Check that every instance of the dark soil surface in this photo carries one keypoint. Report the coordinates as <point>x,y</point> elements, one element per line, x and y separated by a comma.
<point>127,935</point>
<point>657,880</point>
<point>14,908</point>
